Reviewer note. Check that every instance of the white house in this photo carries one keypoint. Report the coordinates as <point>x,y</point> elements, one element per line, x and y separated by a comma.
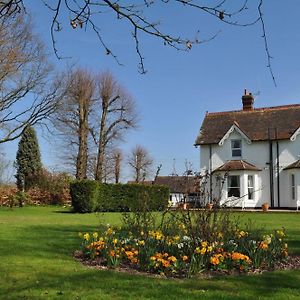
<point>253,155</point>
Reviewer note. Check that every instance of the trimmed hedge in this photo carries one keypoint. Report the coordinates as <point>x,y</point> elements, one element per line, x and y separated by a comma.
<point>84,194</point>
<point>90,196</point>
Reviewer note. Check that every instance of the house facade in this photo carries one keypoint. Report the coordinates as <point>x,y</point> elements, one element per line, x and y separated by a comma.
<point>252,155</point>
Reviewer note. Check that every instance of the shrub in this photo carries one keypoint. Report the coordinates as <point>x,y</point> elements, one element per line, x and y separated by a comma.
<point>84,195</point>
<point>119,197</point>
<point>19,198</point>
<point>49,187</point>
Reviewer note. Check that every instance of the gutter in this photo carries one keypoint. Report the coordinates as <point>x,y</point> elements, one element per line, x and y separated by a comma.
<point>277,160</point>
<point>210,173</point>
<point>271,169</point>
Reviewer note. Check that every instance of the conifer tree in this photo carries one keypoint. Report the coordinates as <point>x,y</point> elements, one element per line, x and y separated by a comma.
<point>28,160</point>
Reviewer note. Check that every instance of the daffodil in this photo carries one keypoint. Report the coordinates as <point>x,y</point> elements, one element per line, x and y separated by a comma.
<point>86,236</point>
<point>141,243</point>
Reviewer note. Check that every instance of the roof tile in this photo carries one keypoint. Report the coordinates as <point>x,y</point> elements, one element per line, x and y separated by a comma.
<point>254,123</point>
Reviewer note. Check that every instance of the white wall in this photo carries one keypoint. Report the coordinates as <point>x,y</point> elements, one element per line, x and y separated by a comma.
<point>257,153</point>
<point>176,198</point>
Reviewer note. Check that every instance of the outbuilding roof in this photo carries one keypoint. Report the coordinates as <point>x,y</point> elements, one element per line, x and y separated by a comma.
<point>259,124</point>
<point>179,184</point>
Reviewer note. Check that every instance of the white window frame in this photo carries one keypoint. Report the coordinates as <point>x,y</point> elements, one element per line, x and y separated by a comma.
<point>236,148</point>
<point>250,187</point>
<point>234,187</point>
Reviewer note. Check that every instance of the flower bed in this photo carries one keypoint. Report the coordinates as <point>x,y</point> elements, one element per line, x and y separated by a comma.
<point>176,251</point>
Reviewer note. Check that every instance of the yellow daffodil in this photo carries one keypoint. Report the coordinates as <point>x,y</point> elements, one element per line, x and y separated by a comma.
<point>86,236</point>
<point>203,251</point>
<point>280,233</point>
<point>109,231</point>
<point>204,244</point>
<point>141,243</point>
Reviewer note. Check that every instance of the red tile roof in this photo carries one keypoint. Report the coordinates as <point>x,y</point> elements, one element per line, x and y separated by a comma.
<point>254,123</point>
<point>235,165</point>
<point>294,165</point>
<point>179,184</point>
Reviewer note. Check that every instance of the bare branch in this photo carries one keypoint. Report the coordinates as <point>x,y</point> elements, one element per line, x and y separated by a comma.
<point>84,14</point>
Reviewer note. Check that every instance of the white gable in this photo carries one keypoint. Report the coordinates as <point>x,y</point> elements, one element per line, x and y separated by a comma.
<point>294,136</point>
<point>236,129</point>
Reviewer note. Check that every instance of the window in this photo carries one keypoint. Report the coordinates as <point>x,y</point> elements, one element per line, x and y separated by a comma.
<point>293,187</point>
<point>233,183</point>
<point>236,148</point>
<point>250,187</point>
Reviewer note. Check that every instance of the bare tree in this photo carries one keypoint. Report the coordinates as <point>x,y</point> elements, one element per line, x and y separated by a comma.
<point>117,158</point>
<point>26,98</point>
<point>84,14</point>
<point>117,115</point>
<point>108,168</point>
<point>72,118</point>
<point>6,169</point>
<point>94,113</point>
<point>141,162</point>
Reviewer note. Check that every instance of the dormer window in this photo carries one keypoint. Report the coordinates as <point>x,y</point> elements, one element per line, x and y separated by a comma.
<point>236,148</point>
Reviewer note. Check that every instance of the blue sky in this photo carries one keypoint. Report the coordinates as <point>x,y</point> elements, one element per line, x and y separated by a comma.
<point>179,88</point>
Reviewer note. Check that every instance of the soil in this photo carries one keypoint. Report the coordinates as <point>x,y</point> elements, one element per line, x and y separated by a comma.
<point>290,263</point>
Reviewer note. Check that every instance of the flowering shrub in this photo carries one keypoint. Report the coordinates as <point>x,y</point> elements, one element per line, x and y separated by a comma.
<point>175,252</point>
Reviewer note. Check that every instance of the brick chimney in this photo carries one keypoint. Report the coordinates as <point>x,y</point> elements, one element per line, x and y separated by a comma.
<point>248,101</point>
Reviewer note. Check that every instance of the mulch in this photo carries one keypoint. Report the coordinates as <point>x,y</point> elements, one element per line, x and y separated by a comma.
<point>290,263</point>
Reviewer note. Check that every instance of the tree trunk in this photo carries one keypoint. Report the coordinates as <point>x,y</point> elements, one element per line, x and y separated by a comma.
<point>102,143</point>
<point>81,163</point>
<point>117,168</point>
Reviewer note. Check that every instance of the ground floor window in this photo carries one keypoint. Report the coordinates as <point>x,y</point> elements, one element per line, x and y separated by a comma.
<point>293,187</point>
<point>233,184</point>
<point>250,187</point>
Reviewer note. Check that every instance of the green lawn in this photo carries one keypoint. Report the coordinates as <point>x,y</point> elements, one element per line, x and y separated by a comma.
<point>36,245</point>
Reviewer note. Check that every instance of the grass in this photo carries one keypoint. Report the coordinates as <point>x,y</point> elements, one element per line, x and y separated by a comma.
<point>36,245</point>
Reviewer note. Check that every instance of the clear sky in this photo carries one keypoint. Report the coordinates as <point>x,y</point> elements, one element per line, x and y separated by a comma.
<point>179,88</point>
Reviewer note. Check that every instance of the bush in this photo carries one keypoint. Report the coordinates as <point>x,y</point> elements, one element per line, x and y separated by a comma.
<point>84,195</point>
<point>49,188</point>
<point>117,197</point>
<point>19,198</point>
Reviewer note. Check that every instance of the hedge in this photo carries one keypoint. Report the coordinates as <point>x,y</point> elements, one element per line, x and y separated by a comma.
<point>91,196</point>
<point>84,195</point>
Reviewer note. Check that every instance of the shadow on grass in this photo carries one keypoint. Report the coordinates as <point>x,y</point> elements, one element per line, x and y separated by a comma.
<point>65,212</point>
<point>43,241</point>
<point>96,284</point>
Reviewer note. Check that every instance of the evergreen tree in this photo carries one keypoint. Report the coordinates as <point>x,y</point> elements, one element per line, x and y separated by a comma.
<point>28,160</point>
